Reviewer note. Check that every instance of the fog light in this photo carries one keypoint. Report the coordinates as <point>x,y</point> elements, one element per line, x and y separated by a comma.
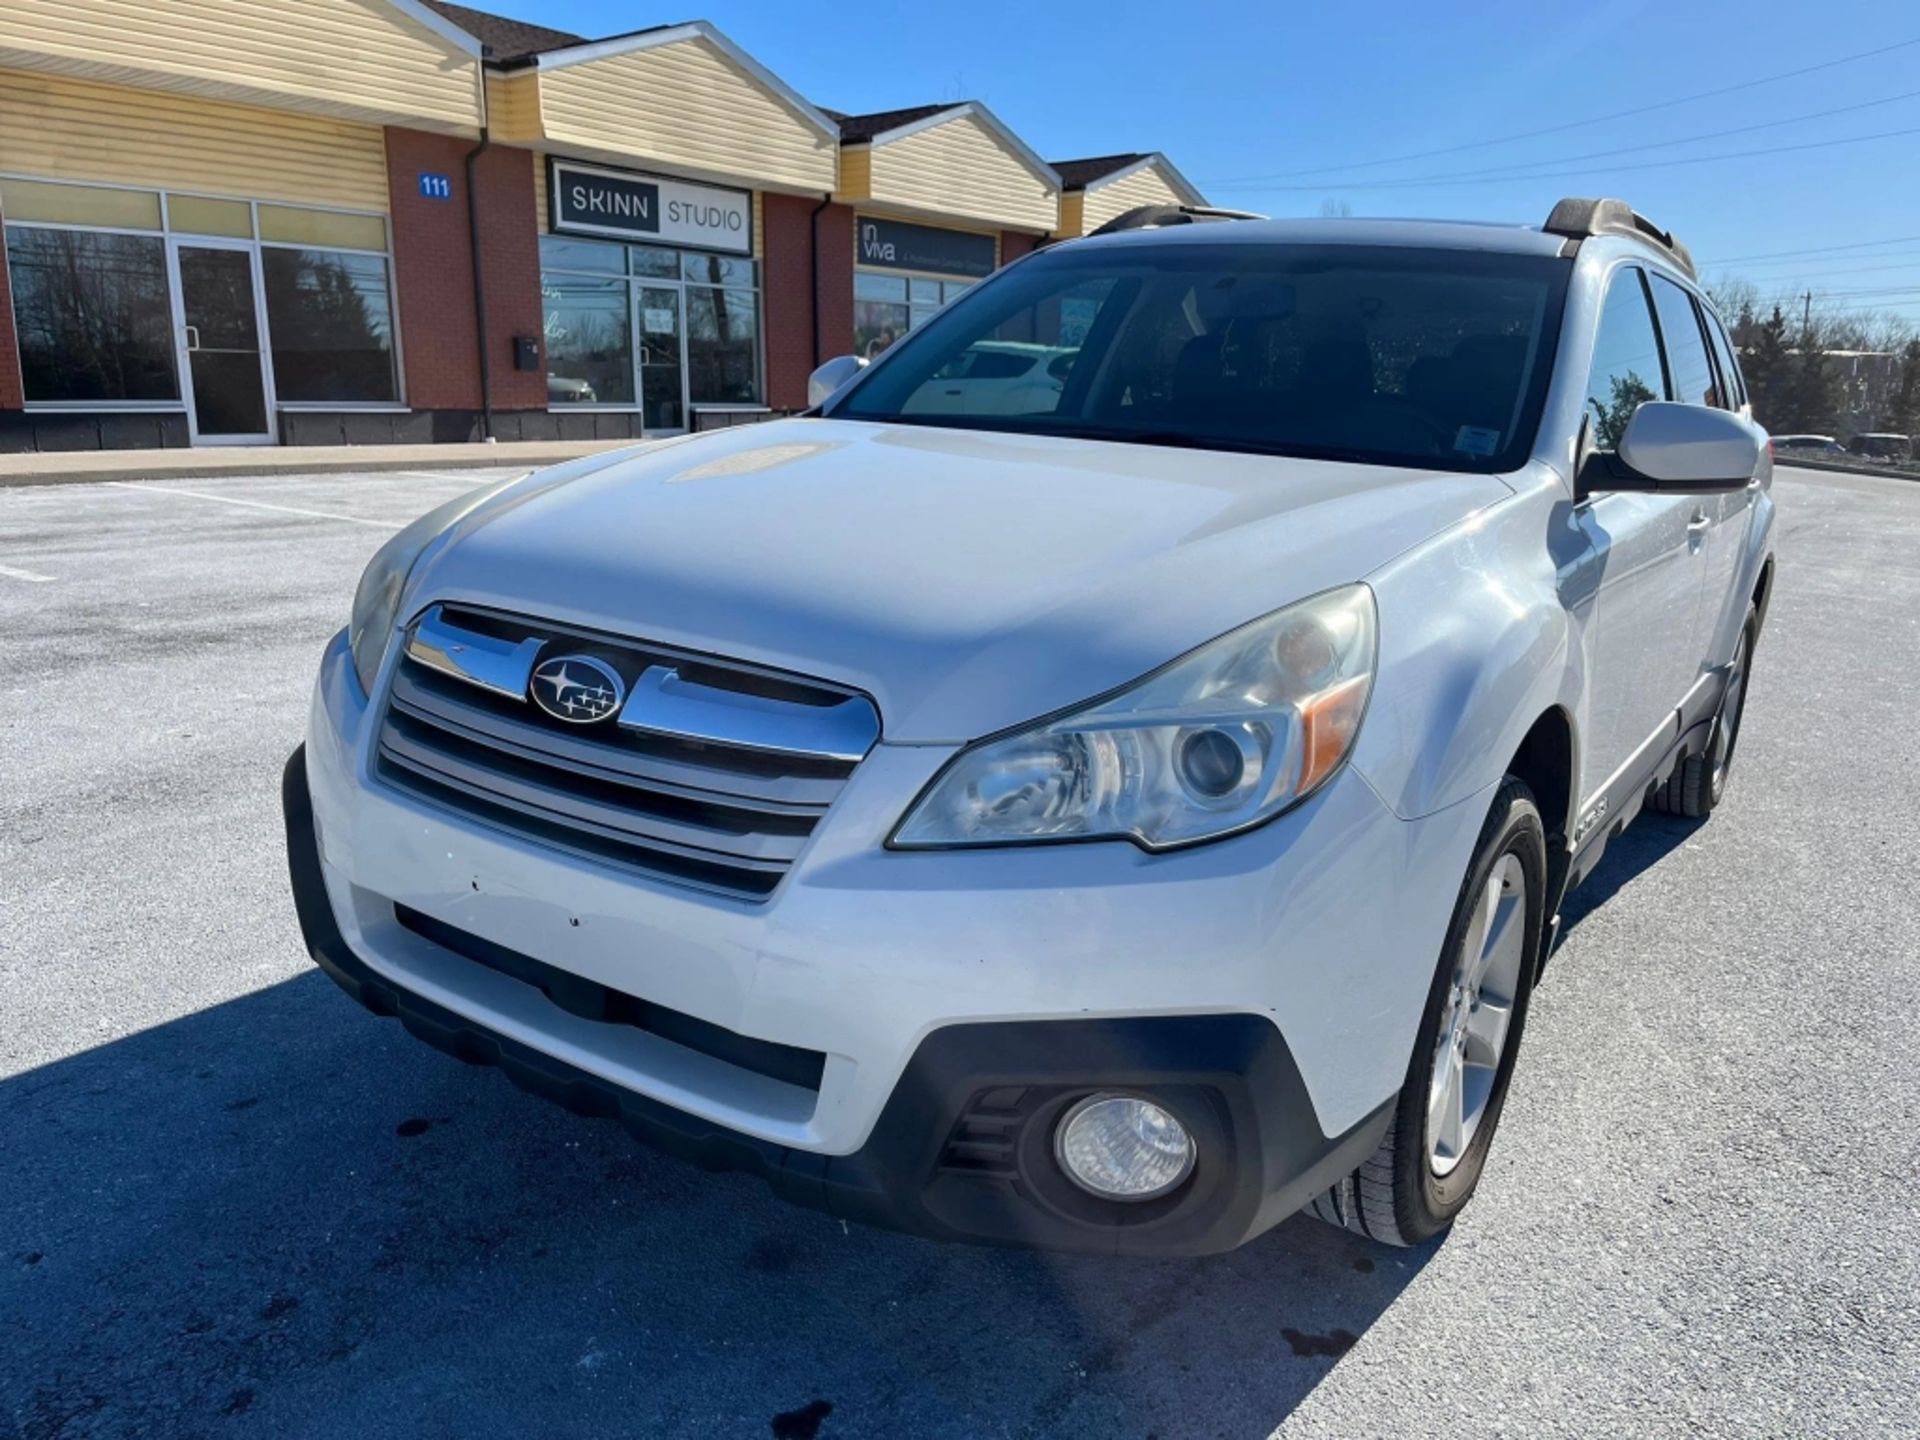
<point>1123,1148</point>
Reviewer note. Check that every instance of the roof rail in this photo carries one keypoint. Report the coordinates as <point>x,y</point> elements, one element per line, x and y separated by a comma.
<point>1153,217</point>
<point>1579,219</point>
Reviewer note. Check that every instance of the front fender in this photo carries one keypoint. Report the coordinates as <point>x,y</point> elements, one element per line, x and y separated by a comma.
<point>1475,645</point>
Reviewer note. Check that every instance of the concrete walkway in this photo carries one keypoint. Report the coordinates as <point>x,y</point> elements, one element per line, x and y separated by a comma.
<point>75,467</point>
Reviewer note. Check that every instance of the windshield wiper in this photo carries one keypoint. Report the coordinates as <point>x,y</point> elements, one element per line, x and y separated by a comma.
<point>1167,439</point>
<point>1178,440</point>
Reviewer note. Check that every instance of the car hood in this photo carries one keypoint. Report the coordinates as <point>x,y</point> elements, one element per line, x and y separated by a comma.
<point>967,580</point>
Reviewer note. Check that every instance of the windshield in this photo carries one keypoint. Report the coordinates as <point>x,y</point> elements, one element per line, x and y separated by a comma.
<point>1388,355</point>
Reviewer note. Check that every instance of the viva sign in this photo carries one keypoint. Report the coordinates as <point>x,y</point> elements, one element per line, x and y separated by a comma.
<point>618,205</point>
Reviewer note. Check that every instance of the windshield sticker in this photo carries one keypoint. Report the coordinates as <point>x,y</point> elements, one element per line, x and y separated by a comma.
<point>1477,440</point>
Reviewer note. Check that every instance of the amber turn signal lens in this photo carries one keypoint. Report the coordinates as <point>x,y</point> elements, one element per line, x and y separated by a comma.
<point>1330,720</point>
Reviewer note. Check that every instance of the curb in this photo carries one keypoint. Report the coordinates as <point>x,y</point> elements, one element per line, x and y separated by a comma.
<point>1882,472</point>
<point>249,463</point>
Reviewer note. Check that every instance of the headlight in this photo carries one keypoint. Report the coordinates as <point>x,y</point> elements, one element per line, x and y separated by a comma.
<point>376,603</point>
<point>1220,740</point>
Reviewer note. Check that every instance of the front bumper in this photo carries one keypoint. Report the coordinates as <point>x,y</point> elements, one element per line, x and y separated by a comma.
<point>962,1150</point>
<point>1263,973</point>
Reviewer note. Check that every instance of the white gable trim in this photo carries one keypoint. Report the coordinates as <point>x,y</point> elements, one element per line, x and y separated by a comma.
<point>986,117</point>
<point>439,24</point>
<point>675,35</point>
<point>1156,161</point>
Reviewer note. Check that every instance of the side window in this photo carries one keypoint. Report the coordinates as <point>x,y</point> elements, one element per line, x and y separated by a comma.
<point>1730,377</point>
<point>1686,348</point>
<point>1626,361</point>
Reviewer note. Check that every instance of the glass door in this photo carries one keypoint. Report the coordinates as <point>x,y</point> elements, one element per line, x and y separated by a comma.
<point>217,286</point>
<point>663,384</point>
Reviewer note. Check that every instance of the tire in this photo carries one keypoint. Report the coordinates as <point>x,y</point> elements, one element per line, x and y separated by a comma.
<point>1414,1185</point>
<point>1699,782</point>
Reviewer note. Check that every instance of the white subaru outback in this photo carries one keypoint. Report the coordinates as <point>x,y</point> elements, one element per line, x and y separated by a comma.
<point>1111,822</point>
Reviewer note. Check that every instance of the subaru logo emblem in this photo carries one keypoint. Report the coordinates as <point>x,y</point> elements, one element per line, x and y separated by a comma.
<point>577,689</point>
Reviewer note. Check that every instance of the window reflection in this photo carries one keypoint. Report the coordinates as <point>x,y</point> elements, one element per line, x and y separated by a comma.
<point>722,347</point>
<point>331,319</point>
<point>589,341</point>
<point>92,315</point>
<point>885,307</point>
<point>594,351</point>
<point>1626,361</point>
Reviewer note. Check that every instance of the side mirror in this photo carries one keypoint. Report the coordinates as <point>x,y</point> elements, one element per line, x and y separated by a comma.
<point>831,377</point>
<point>1682,448</point>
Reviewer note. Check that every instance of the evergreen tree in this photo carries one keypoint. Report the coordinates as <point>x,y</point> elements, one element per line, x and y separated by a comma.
<point>1812,392</point>
<point>1765,361</point>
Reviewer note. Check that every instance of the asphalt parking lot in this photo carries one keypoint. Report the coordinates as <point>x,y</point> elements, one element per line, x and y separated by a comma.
<point>234,1204</point>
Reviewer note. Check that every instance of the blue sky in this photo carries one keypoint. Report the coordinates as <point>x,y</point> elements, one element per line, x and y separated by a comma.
<point>1237,93</point>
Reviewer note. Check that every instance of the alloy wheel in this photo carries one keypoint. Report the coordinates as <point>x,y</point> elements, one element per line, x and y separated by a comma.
<point>1478,1015</point>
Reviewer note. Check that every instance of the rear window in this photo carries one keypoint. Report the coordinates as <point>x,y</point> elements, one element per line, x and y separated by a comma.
<point>1411,356</point>
<point>1687,363</point>
<point>1732,381</point>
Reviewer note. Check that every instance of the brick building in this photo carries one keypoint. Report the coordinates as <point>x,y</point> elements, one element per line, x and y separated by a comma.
<point>353,221</point>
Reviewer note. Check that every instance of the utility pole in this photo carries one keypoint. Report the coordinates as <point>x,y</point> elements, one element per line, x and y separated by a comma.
<point>1806,315</point>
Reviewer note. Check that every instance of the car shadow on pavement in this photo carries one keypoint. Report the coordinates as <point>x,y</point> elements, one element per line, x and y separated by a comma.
<point>281,1216</point>
<point>1642,845</point>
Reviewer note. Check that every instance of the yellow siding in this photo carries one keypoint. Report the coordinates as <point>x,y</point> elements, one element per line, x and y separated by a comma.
<point>1146,187</point>
<point>357,59</point>
<point>962,169</point>
<point>1072,214</point>
<point>71,130</point>
<point>686,107</point>
<point>856,174</point>
<point>513,107</point>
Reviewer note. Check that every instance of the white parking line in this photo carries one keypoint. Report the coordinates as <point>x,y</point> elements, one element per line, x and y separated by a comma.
<point>32,577</point>
<point>148,488</point>
<point>449,476</point>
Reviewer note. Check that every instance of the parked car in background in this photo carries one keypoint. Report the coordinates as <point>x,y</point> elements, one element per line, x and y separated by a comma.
<point>1881,445</point>
<point>562,390</point>
<point>997,377</point>
<point>1809,444</point>
<point>1111,807</point>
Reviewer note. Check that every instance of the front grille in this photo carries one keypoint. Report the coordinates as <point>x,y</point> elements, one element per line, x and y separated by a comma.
<point>714,774</point>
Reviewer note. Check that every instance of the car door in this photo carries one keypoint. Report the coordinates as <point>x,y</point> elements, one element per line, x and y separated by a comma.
<point>1639,621</point>
<point>1723,600</point>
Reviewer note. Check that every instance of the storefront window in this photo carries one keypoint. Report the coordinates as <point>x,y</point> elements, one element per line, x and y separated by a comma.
<point>695,316</point>
<point>589,338</point>
<point>723,347</point>
<point>717,270</point>
<point>331,318</point>
<point>559,254</point>
<point>654,264</point>
<point>92,315</point>
<point>885,307</point>
<point>880,313</point>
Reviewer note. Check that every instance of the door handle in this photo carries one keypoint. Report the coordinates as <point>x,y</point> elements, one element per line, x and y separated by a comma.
<point>1699,521</point>
<point>193,337</point>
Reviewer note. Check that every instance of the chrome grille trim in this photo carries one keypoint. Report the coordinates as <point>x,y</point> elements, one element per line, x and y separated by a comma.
<point>727,815</point>
<point>665,702</point>
<point>501,666</point>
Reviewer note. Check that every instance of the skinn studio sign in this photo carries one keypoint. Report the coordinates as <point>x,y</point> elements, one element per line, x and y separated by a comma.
<point>620,205</point>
